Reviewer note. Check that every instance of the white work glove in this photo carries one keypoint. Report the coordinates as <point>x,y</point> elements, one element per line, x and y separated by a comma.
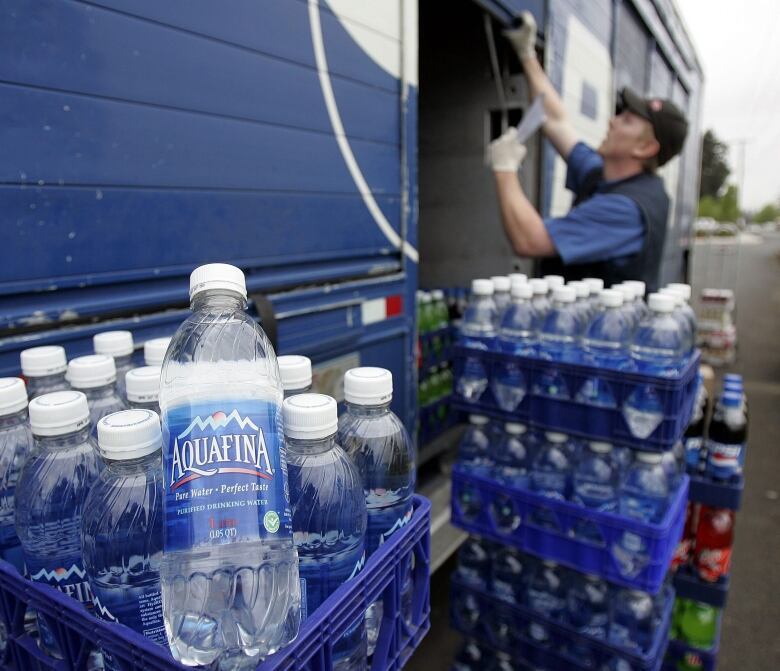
<point>523,39</point>
<point>505,154</point>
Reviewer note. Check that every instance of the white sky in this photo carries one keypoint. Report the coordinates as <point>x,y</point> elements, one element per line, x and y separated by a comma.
<point>739,48</point>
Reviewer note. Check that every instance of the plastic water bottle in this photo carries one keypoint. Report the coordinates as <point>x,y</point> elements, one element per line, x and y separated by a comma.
<point>50,493</point>
<point>474,450</point>
<point>15,444</point>
<point>640,291</point>
<point>474,563</point>
<point>547,596</point>
<point>644,495</point>
<point>596,286</point>
<point>501,295</point>
<point>519,329</point>
<point>511,456</point>
<point>95,376</point>
<point>296,374</point>
<point>540,301</point>
<point>478,328</point>
<point>561,330</point>
<point>605,344</point>
<point>550,476</point>
<point>629,306</point>
<point>657,348</point>
<point>119,345</point>
<point>470,657</point>
<point>122,526</point>
<point>582,302</point>
<point>727,438</point>
<point>230,570</point>
<point>154,351</point>
<point>554,281</point>
<point>686,327</point>
<point>685,291</point>
<point>632,624</point>
<point>377,441</point>
<point>44,369</point>
<point>510,574</point>
<point>595,486</point>
<point>328,513</point>
<point>142,387</point>
<point>587,605</point>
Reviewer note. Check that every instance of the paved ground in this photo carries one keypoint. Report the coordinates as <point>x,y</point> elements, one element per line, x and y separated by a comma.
<point>751,628</point>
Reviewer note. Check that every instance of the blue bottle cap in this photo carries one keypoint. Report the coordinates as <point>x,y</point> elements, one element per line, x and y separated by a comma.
<point>732,399</point>
<point>732,376</point>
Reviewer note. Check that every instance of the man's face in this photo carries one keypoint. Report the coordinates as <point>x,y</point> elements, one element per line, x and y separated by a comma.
<point>629,136</point>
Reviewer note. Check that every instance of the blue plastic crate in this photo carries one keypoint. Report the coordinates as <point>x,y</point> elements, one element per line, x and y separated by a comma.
<point>717,493</point>
<point>503,626</point>
<point>506,514</point>
<point>78,631</point>
<point>688,585</point>
<point>678,651</point>
<point>565,413</point>
<point>435,418</point>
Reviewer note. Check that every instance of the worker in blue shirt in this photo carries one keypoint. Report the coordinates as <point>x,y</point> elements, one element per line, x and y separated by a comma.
<point>617,224</point>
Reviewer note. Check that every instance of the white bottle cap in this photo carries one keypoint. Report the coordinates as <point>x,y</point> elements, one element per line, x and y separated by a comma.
<point>565,294</point>
<point>518,278</point>
<point>685,289</point>
<point>640,288</point>
<point>154,351</point>
<point>479,420</point>
<point>539,286</point>
<point>368,386</point>
<point>426,298</point>
<point>611,298</point>
<point>217,276</point>
<point>554,281</point>
<point>295,371</point>
<point>129,434</point>
<point>41,361</point>
<point>438,295</point>
<point>555,437</point>
<point>661,302</point>
<point>482,287</point>
<point>142,385</point>
<point>113,343</point>
<point>600,447</point>
<point>310,416</point>
<point>627,291</point>
<point>514,428</point>
<point>582,289</point>
<point>676,292</point>
<point>522,290</point>
<point>93,370</point>
<point>13,395</point>
<point>596,284</point>
<point>649,457</point>
<point>501,283</point>
<point>59,413</point>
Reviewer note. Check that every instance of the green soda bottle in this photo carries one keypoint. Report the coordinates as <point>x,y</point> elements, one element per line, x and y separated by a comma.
<point>440,309</point>
<point>699,625</point>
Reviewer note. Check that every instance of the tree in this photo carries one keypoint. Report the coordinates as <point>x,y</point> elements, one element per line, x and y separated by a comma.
<point>714,165</point>
<point>770,212</point>
<point>725,208</point>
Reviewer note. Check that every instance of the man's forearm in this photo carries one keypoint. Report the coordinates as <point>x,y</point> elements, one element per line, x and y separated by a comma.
<point>522,223</point>
<point>539,82</point>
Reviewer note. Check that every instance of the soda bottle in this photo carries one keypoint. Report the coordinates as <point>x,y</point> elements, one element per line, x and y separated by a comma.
<point>699,625</point>
<point>154,351</point>
<point>230,570</point>
<point>44,369</point>
<point>727,438</point>
<point>714,538</point>
<point>501,296</point>
<point>50,493</point>
<point>376,440</point>
<point>142,387</point>
<point>684,551</point>
<point>693,439</point>
<point>16,442</point>
<point>122,526</point>
<point>441,311</point>
<point>296,374</point>
<point>328,513</point>
<point>95,376</point>
<point>119,345</point>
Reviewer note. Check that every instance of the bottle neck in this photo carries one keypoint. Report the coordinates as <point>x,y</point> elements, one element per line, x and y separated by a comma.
<point>218,299</point>
<point>64,440</point>
<point>123,361</point>
<point>367,410</point>
<point>130,466</point>
<point>309,446</point>
<point>99,392</point>
<point>14,419</point>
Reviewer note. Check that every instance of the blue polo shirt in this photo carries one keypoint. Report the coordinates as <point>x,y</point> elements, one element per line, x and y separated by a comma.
<point>605,226</point>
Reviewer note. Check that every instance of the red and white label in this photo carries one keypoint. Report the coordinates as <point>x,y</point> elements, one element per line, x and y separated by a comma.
<point>379,309</point>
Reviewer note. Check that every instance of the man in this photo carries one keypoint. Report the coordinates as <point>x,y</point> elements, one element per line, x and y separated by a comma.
<point>617,224</point>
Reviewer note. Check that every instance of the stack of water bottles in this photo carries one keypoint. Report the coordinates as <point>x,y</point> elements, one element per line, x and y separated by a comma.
<point>580,358</point>
<point>213,533</point>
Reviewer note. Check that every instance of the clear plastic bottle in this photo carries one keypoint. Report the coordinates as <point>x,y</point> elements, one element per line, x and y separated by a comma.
<point>511,571</point>
<point>687,325</point>
<point>645,493</point>
<point>519,329</point>
<point>640,291</point>
<point>296,374</point>
<point>122,526</point>
<point>50,494</point>
<point>561,330</point>
<point>501,295</point>
<point>474,563</point>
<point>511,456</point>
<point>328,513</point>
<point>595,484</point>
<point>685,291</point>
<point>540,300</point>
<point>629,305</point>
<point>474,450</point>
<point>16,443</point>
<point>547,596</point>
<point>44,369</point>
<point>551,475</point>
<point>119,346</point>
<point>554,281</point>
<point>518,278</point>
<point>142,386</point>
<point>587,605</point>
<point>377,441</point>
<point>154,351</point>
<point>582,302</point>
<point>632,624</point>
<point>596,286</point>
<point>95,376</point>
<point>478,328</point>
<point>230,570</point>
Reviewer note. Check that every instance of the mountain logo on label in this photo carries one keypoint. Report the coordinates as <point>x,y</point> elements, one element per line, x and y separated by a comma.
<point>59,574</point>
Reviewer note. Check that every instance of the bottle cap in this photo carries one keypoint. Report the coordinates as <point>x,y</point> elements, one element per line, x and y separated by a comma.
<point>129,434</point>
<point>295,371</point>
<point>582,288</point>
<point>611,298</point>
<point>154,351</point>
<point>501,283</point>
<point>217,276</point>
<point>732,377</point>
<point>426,298</point>
<point>438,295</point>
<point>113,343</point>
<point>679,300</point>
<point>368,386</point>
<point>514,428</point>
<point>41,361</point>
<point>59,413</point>
<point>600,447</point>
<point>638,286</point>
<point>479,420</point>
<point>310,416</point>
<point>564,294</point>
<point>482,287</point>
<point>649,457</point>
<point>627,290</point>
<point>518,278</point>
<point>596,284</point>
<point>555,437</point>
<point>91,371</point>
<point>732,399</point>
<point>142,385</point>
<point>539,286</point>
<point>522,291</point>
<point>661,303</point>
<point>554,281</point>
<point>685,289</point>
<point>13,395</point>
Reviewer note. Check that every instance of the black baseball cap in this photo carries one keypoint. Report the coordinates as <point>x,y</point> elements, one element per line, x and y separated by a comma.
<point>669,123</point>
